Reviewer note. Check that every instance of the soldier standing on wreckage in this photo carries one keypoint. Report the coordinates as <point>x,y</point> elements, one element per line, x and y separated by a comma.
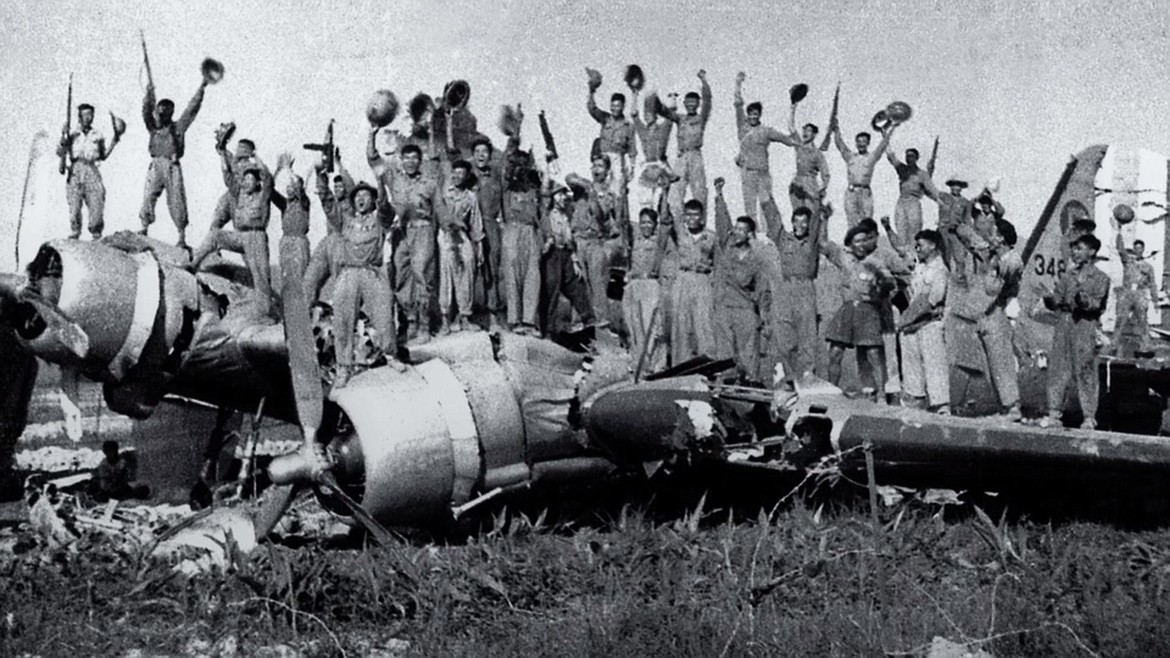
<point>1079,297</point>
<point>1137,291</point>
<point>417,200</point>
<point>460,243</point>
<point>616,139</point>
<point>913,183</point>
<point>859,166</point>
<point>692,302</point>
<point>361,278</point>
<point>925,373</point>
<point>691,127</point>
<point>752,160</point>
<point>561,266</point>
<point>795,322</point>
<point>642,302</point>
<point>86,147</point>
<point>249,215</point>
<point>489,190</point>
<point>742,290</point>
<point>597,231</point>
<point>864,315</point>
<point>522,239</point>
<point>1002,282</point>
<point>167,143</point>
<point>656,175</point>
<point>804,190</point>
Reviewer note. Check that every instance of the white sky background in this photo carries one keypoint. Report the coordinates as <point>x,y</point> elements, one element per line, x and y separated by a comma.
<point>1012,88</point>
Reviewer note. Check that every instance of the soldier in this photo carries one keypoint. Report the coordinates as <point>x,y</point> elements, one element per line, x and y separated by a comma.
<point>742,291</point>
<point>804,190</point>
<point>167,143</point>
<point>489,189</point>
<point>249,217</point>
<point>294,222</point>
<point>422,135</point>
<point>616,139</point>
<point>641,303</point>
<point>562,271</point>
<point>1136,293</point>
<point>692,304</point>
<point>752,160</point>
<point>795,322</point>
<point>956,224</point>
<point>863,316</point>
<point>925,374</point>
<point>232,170</point>
<point>596,231</point>
<point>460,242</point>
<point>361,280</point>
<point>691,128</point>
<point>87,147</point>
<point>417,201</point>
<point>1079,297</point>
<point>654,133</point>
<point>522,238</point>
<point>913,183</point>
<point>859,169</point>
<point>1002,283</point>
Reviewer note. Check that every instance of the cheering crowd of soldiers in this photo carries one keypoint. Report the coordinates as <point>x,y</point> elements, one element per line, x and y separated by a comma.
<point>487,238</point>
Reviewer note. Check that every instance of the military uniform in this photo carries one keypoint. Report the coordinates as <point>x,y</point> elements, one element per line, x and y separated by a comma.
<point>742,297</point>
<point>913,183</point>
<point>689,167</point>
<point>560,270</point>
<point>1079,297</point>
<point>859,171</point>
<point>522,238</point>
<point>641,303</point>
<point>167,144</point>
<point>794,319</point>
<point>924,351</point>
<point>460,230</point>
<point>692,299</point>
<point>84,183</point>
<point>753,160</point>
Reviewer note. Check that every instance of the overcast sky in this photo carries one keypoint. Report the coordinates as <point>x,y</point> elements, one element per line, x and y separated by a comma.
<point>1012,88</point>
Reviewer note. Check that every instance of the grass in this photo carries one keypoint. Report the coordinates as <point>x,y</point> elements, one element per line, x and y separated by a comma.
<point>799,581</point>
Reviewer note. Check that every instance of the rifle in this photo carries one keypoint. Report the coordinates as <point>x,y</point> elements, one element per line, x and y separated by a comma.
<point>62,164</point>
<point>326,148</point>
<point>550,146</point>
<point>933,158</point>
<point>146,60</point>
<point>832,119</point>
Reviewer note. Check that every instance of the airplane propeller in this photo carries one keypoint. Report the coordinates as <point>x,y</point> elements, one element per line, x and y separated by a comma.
<point>24,309</point>
<point>308,466</point>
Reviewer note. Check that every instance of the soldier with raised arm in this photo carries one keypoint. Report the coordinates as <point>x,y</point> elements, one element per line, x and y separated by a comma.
<point>692,127</point>
<point>522,238</point>
<point>1137,291</point>
<point>417,201</point>
<point>616,140</point>
<point>805,189</point>
<point>167,144</point>
<point>87,147</point>
<point>752,160</point>
<point>859,166</point>
<point>795,322</point>
<point>913,184</point>
<point>655,175</point>
<point>742,290</point>
<point>249,215</point>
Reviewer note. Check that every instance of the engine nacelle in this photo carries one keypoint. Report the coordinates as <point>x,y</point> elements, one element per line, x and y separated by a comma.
<point>441,433</point>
